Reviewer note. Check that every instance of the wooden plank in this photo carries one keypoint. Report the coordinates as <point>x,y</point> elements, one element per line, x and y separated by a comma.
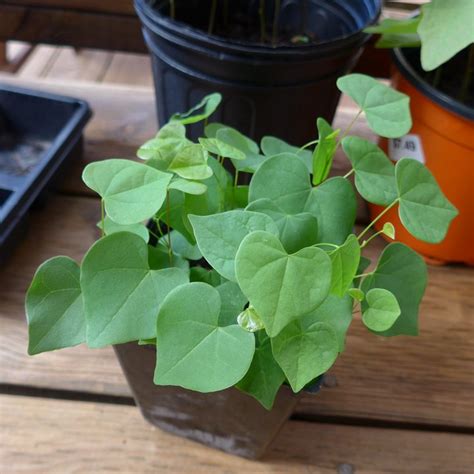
<point>37,64</point>
<point>119,7</point>
<point>130,69</point>
<point>80,65</point>
<point>400,379</point>
<point>57,436</point>
<point>71,27</point>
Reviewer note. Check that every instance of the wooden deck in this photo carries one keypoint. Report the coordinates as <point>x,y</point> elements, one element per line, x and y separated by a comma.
<point>401,405</point>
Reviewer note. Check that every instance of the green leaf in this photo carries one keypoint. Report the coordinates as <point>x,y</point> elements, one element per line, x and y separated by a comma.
<point>296,231</point>
<point>397,33</point>
<point>345,261</point>
<point>356,294</point>
<point>160,152</point>
<point>121,293</point>
<point>401,271</point>
<point>194,350</point>
<point>249,320</point>
<point>387,110</point>
<point>281,287</point>
<point>399,41</point>
<point>172,130</point>
<point>203,275</point>
<point>181,246</point>
<point>218,236</point>
<point>445,29</point>
<point>111,227</point>
<point>132,192</point>
<point>191,163</point>
<point>272,146</point>
<point>201,111</point>
<point>424,210</point>
<point>389,230</point>
<point>233,300</point>
<point>220,148</point>
<point>324,152</point>
<point>240,196</point>
<point>283,180</point>
<point>235,139</point>
<point>159,258</point>
<point>374,172</point>
<point>54,307</point>
<point>188,187</point>
<point>334,205</point>
<point>305,352</point>
<point>381,310</point>
<point>264,376</point>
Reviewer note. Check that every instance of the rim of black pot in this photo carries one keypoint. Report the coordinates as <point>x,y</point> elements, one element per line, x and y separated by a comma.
<point>153,19</point>
<point>446,101</point>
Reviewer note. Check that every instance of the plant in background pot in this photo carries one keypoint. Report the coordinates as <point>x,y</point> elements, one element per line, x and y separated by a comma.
<point>256,54</point>
<point>235,295</point>
<point>434,64</point>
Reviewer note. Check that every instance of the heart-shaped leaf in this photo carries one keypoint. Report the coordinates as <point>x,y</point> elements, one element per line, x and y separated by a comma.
<point>387,110</point>
<point>220,148</point>
<point>272,146</point>
<point>305,352</point>
<point>283,180</point>
<point>280,286</point>
<point>324,152</point>
<point>191,163</point>
<point>232,302</point>
<point>132,192</point>
<point>201,111</point>
<point>401,271</point>
<point>264,376</point>
<point>334,205</point>
<point>296,231</point>
<point>397,33</point>
<point>188,187</point>
<point>345,261</point>
<point>445,29</point>
<point>111,227</point>
<point>172,130</point>
<point>54,307</point>
<point>160,152</point>
<point>194,350</point>
<point>181,246</point>
<point>218,236</point>
<point>203,275</point>
<point>382,310</point>
<point>424,210</point>
<point>121,294</point>
<point>374,172</point>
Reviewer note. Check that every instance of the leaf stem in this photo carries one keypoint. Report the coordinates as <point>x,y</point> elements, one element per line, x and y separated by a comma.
<point>168,213</point>
<point>276,15</point>
<point>348,129</point>
<point>349,173</point>
<point>172,9</point>
<point>313,142</point>
<point>102,217</point>
<point>363,275</point>
<point>212,17</point>
<point>377,218</point>
<point>236,178</point>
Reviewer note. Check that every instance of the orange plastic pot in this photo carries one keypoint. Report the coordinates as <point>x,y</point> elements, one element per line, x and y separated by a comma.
<point>442,137</point>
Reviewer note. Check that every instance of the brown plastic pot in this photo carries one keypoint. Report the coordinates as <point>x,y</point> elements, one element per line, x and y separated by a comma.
<point>228,420</point>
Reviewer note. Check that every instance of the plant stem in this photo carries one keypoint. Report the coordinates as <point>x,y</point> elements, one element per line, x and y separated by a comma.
<point>377,218</point>
<point>102,217</point>
<point>347,130</point>
<point>172,10</point>
<point>467,75</point>
<point>349,173</point>
<point>276,15</point>
<point>363,275</point>
<point>313,142</point>
<point>168,213</point>
<point>236,178</point>
<point>261,13</point>
<point>212,17</point>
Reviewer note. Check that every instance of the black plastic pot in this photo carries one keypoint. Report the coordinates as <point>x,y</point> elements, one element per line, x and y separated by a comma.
<point>267,90</point>
<point>39,134</point>
<point>228,420</point>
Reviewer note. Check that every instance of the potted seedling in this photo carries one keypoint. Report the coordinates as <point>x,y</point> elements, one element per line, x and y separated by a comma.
<point>225,301</point>
<point>434,64</point>
<point>259,54</point>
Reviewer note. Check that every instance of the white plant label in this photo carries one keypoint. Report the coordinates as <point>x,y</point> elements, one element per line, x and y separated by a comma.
<point>408,146</point>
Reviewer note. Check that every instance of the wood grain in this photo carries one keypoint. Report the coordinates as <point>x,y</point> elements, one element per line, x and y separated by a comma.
<point>78,437</point>
<point>400,379</point>
<point>130,69</point>
<point>121,7</point>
